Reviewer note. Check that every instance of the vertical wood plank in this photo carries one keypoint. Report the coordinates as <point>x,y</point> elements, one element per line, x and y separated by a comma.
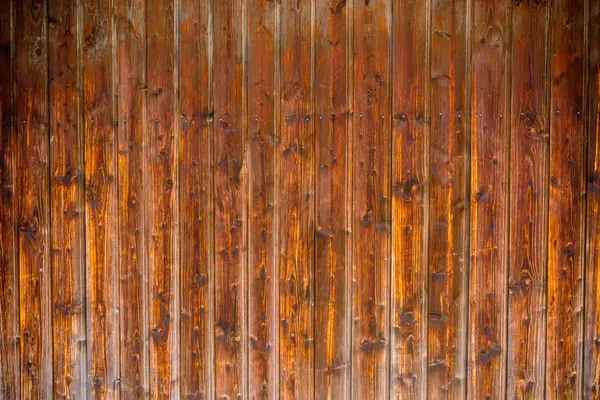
<point>195,169</point>
<point>100,200</point>
<point>262,256</point>
<point>332,266</point>
<point>66,202</point>
<point>567,202</point>
<point>230,191</point>
<point>409,150</point>
<point>132,147</point>
<point>162,189</point>
<point>591,362</point>
<point>296,203</point>
<point>9,273</point>
<point>32,190</point>
<point>447,227</point>
<point>371,214</point>
<point>528,201</point>
<point>490,140</point>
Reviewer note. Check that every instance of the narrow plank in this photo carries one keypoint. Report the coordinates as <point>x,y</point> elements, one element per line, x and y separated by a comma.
<point>9,273</point>
<point>230,192</point>
<point>332,266</point>
<point>101,231</point>
<point>296,203</point>
<point>131,181</point>
<point>195,170</point>
<point>591,363</point>
<point>528,201</point>
<point>263,282</point>
<point>372,211</point>
<point>447,227</point>
<point>66,202</point>
<point>490,139</point>
<point>409,197</point>
<point>564,349</point>
<point>32,192</point>
<point>162,189</point>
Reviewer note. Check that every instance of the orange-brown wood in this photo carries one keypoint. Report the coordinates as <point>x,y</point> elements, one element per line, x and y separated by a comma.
<point>230,191</point>
<point>195,191</point>
<point>32,197</point>
<point>130,49</point>
<point>564,350</point>
<point>9,274</point>
<point>490,138</point>
<point>528,201</point>
<point>409,158</point>
<point>296,203</point>
<point>263,284</point>
<point>371,212</point>
<point>102,244</point>
<point>67,254</point>
<point>333,272</point>
<point>447,205</point>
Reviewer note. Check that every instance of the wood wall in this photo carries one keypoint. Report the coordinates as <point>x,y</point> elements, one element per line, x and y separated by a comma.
<point>364,199</point>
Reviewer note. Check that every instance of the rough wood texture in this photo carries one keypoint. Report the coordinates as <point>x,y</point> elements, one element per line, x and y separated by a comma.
<point>333,272</point>
<point>66,202</point>
<point>325,199</point>
<point>490,138</point>
<point>447,225</point>
<point>564,350</point>
<point>528,201</point>
<point>371,213</point>
<point>196,171</point>
<point>409,198</point>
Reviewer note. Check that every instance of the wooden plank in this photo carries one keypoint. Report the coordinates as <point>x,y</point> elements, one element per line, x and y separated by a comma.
<point>447,225</point>
<point>528,201</point>
<point>66,202</point>
<point>32,189</point>
<point>372,211</point>
<point>162,189</point>
<point>564,349</point>
<point>230,191</point>
<point>409,197</point>
<point>100,200</point>
<point>263,275</point>
<point>296,203</point>
<point>333,271</point>
<point>490,138</point>
<point>195,169</point>
<point>132,146</point>
<point>591,362</point>
<point>9,273</point>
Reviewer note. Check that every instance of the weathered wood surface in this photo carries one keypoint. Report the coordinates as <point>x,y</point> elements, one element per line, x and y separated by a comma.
<point>319,199</point>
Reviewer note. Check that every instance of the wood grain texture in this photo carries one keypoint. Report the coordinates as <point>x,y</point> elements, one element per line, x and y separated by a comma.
<point>9,273</point>
<point>372,211</point>
<point>196,171</point>
<point>230,191</point>
<point>131,182</point>
<point>66,202</point>
<point>447,225</point>
<point>100,200</point>
<point>564,350</point>
<point>591,361</point>
<point>490,137</point>
<point>333,272</point>
<point>162,235</point>
<point>263,289</point>
<point>528,200</point>
<point>409,154</point>
<point>296,203</point>
<point>32,192</point>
